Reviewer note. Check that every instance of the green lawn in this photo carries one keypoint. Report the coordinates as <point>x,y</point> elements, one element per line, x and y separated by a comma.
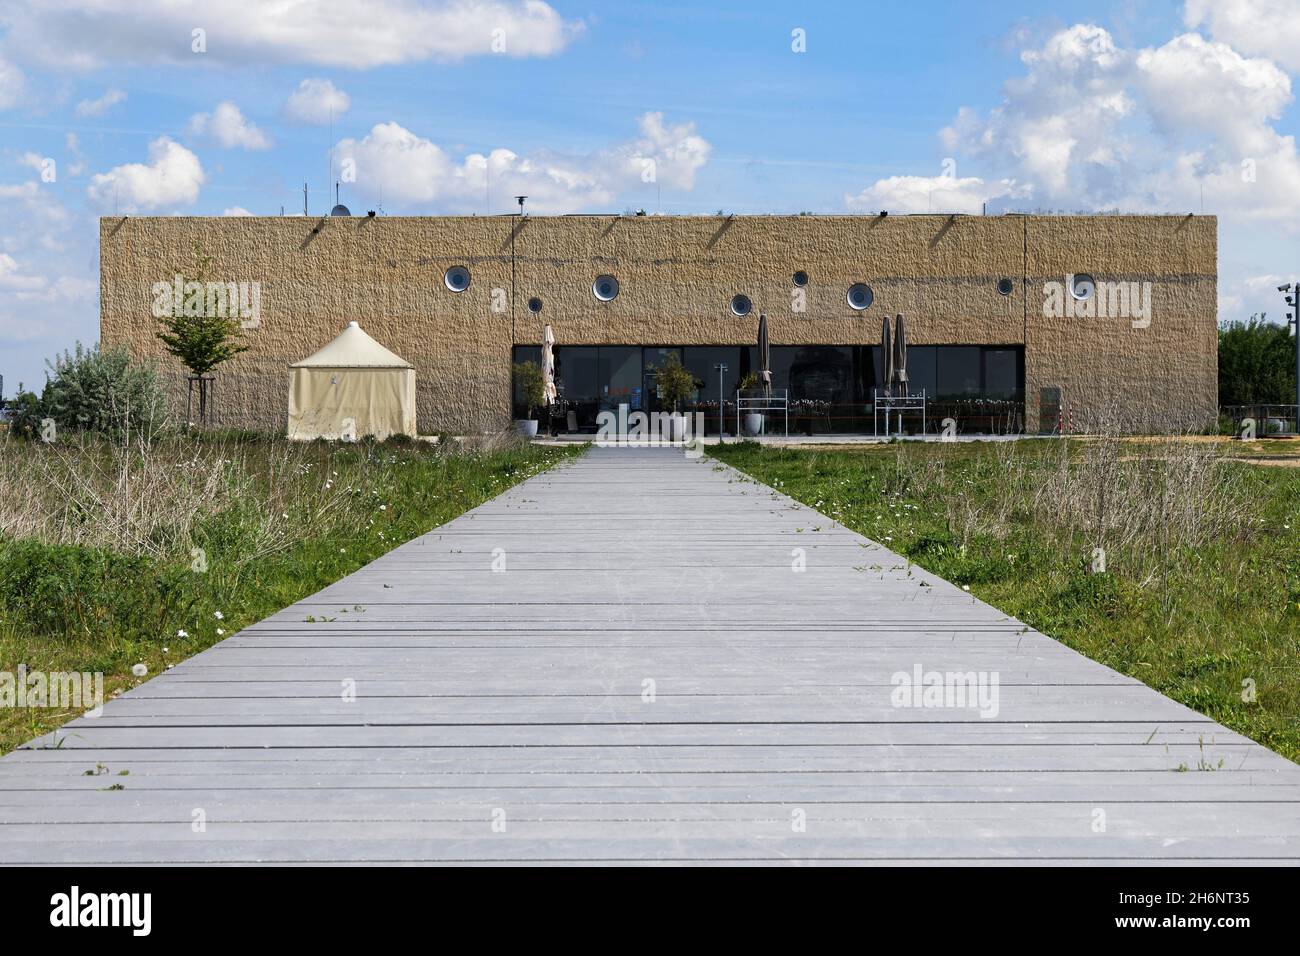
<point>1200,597</point>
<point>113,555</point>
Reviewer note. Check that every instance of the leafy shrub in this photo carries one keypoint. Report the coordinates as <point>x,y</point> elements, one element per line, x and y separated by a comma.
<point>27,412</point>
<point>67,589</point>
<point>102,390</point>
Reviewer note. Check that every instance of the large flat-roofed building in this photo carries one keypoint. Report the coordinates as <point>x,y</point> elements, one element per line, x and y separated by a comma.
<point>1014,322</point>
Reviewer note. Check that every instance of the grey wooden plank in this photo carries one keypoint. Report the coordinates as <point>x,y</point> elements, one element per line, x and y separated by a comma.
<point>522,689</point>
<point>829,763</point>
<point>1129,828</point>
<point>370,791</point>
<point>724,845</point>
<point>278,733</point>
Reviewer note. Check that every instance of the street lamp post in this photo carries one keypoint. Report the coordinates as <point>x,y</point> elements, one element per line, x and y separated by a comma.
<point>722,374</point>
<point>1292,291</point>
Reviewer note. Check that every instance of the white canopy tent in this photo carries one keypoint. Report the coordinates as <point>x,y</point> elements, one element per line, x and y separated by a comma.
<point>351,388</point>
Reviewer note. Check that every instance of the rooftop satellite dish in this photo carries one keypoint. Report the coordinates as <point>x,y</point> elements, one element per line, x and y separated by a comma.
<point>339,209</point>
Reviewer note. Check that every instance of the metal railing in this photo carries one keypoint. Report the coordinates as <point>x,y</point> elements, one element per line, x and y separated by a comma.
<point>751,401</point>
<point>1269,419</point>
<point>890,401</point>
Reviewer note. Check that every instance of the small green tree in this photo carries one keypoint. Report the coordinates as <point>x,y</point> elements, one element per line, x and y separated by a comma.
<point>529,388</point>
<point>674,383</point>
<point>204,340</point>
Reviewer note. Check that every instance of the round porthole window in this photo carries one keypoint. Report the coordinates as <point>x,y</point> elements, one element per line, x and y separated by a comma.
<point>456,278</point>
<point>1083,287</point>
<point>740,305</point>
<point>860,296</point>
<point>605,288</point>
<point>801,278</point>
<point>1005,286</point>
<point>534,305</point>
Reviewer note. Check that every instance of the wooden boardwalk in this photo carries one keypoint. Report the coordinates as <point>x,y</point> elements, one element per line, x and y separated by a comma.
<point>509,715</point>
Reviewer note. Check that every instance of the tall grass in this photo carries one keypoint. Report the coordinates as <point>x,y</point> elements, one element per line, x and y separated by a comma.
<point>1143,505</point>
<point>152,497</point>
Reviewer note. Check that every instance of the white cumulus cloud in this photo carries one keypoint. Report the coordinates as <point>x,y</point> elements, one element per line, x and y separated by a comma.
<point>171,177</point>
<point>315,102</point>
<point>1268,28</point>
<point>911,194</point>
<point>408,168</point>
<point>228,127</point>
<point>1093,125</point>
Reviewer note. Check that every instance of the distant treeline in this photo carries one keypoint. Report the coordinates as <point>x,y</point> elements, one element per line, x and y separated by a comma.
<point>1256,363</point>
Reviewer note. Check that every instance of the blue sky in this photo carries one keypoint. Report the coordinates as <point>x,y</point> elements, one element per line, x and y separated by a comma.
<point>682,108</point>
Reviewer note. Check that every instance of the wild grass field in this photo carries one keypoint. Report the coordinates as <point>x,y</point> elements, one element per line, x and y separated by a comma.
<point>120,552</point>
<point>1200,593</point>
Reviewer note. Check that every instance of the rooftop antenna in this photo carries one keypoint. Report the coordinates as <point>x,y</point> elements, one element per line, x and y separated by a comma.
<point>304,199</point>
<point>520,200</point>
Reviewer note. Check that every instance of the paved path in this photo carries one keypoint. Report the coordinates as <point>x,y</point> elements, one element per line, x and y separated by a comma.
<point>519,697</point>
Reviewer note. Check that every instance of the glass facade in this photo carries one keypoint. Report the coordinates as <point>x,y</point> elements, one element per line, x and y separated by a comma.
<point>830,386</point>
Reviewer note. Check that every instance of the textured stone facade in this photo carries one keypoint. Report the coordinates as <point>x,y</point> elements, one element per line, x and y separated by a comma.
<point>677,277</point>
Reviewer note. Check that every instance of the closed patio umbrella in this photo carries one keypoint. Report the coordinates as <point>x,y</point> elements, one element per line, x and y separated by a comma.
<point>548,376</point>
<point>900,353</point>
<point>764,365</point>
<point>886,358</point>
<point>548,364</point>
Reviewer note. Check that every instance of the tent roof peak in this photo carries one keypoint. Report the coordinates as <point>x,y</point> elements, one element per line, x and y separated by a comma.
<point>353,348</point>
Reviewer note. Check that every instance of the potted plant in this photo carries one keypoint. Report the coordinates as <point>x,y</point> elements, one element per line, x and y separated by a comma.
<point>531,393</point>
<point>753,420</point>
<point>674,385</point>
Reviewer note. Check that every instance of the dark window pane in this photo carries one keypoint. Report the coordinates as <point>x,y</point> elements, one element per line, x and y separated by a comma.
<point>1001,373</point>
<point>620,376</point>
<point>782,358</point>
<point>921,369</point>
<point>822,373</point>
<point>576,367</point>
<point>700,361</point>
<point>958,371</point>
